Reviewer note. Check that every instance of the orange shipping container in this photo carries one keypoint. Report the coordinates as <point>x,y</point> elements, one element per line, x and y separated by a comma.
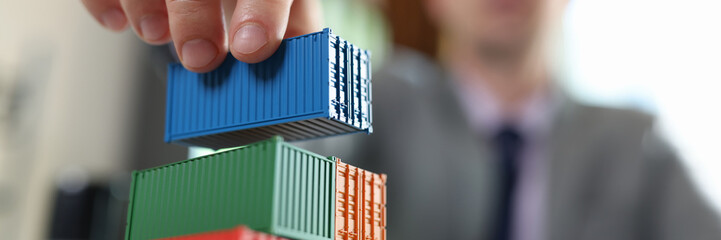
<point>360,204</point>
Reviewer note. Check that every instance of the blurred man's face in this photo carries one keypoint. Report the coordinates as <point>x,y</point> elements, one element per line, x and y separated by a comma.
<point>503,24</point>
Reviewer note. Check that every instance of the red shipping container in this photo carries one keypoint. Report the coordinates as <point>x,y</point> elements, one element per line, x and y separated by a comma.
<point>238,233</point>
<point>360,204</point>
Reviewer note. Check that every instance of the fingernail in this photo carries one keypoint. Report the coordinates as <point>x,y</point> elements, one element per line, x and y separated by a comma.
<point>153,27</point>
<point>113,19</point>
<point>198,53</point>
<point>249,38</point>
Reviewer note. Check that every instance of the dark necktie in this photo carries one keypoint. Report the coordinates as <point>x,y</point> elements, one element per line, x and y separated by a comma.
<point>509,143</point>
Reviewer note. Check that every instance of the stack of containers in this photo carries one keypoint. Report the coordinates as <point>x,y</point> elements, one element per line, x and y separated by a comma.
<point>315,85</point>
<point>270,186</point>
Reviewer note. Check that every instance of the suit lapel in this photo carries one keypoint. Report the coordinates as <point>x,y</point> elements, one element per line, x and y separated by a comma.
<point>473,181</point>
<point>566,170</point>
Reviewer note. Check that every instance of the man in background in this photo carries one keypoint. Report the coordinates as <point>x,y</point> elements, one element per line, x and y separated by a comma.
<point>479,143</point>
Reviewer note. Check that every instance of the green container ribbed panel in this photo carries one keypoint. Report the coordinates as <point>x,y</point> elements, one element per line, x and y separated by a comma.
<point>269,186</point>
<point>305,206</point>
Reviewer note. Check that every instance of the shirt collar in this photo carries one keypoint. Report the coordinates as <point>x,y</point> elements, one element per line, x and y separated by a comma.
<point>484,114</point>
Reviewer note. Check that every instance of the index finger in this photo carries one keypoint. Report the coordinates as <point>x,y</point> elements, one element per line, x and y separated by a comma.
<point>257,28</point>
<point>197,29</point>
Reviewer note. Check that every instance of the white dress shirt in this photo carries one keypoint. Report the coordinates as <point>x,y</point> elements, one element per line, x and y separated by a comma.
<point>485,116</point>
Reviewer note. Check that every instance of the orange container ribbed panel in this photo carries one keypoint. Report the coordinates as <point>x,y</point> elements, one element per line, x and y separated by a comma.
<point>237,233</point>
<point>360,204</point>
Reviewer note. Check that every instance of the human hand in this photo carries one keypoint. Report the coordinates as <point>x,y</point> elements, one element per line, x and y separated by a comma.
<point>198,28</point>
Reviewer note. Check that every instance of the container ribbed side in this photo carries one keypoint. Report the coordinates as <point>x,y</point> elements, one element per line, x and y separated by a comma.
<point>286,87</point>
<point>218,191</point>
<point>309,78</point>
<point>360,204</point>
<point>304,201</point>
<point>269,186</point>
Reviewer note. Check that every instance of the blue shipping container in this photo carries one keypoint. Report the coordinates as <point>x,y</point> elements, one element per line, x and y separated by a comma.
<point>314,85</point>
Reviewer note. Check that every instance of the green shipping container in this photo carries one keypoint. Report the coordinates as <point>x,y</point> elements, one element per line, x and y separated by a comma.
<point>269,186</point>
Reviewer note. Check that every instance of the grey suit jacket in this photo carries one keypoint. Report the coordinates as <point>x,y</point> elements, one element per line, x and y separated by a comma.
<point>610,176</point>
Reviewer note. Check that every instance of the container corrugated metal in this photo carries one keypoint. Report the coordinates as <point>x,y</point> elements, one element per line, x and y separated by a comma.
<point>237,233</point>
<point>360,204</point>
<point>269,186</point>
<point>314,85</point>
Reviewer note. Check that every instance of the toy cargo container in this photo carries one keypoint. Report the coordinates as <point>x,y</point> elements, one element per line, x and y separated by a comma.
<point>237,233</point>
<point>269,186</point>
<point>314,85</point>
<point>360,204</point>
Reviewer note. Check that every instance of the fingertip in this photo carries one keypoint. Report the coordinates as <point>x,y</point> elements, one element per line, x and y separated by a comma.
<point>154,29</point>
<point>257,29</point>
<point>249,38</point>
<point>200,55</point>
<point>114,19</point>
<point>252,43</point>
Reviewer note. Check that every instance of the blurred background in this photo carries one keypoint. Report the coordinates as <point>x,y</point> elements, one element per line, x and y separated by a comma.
<point>80,107</point>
